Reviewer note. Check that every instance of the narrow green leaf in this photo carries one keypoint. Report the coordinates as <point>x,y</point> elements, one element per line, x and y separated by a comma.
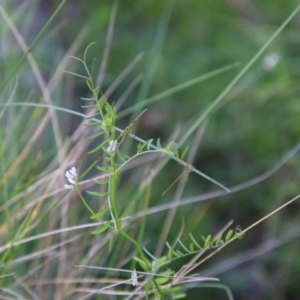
<point>101,229</point>
<point>88,99</point>
<point>207,241</point>
<point>97,194</point>
<point>124,157</point>
<point>172,290</point>
<point>157,264</point>
<point>142,263</point>
<point>96,135</point>
<point>219,240</point>
<point>104,181</point>
<point>103,168</point>
<point>174,147</point>
<point>192,248</point>
<point>158,143</point>
<point>89,106</point>
<point>184,152</point>
<point>183,246</point>
<point>99,214</point>
<point>89,85</point>
<point>98,148</point>
<point>229,235</point>
<point>170,146</point>
<point>194,241</point>
<point>93,123</point>
<point>170,254</point>
<point>162,280</point>
<point>149,144</point>
<point>140,147</point>
<point>178,253</point>
<point>96,91</point>
<point>180,296</point>
<point>111,243</point>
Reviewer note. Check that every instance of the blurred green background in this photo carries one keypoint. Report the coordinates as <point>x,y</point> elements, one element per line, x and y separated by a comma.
<point>256,125</point>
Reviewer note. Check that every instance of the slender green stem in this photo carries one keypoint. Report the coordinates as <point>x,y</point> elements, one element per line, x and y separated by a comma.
<point>158,288</point>
<point>114,210</point>
<point>84,202</point>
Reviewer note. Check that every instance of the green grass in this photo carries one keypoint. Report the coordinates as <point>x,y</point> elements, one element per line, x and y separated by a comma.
<point>144,218</point>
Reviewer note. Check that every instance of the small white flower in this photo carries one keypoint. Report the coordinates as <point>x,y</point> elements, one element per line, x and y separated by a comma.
<point>71,177</point>
<point>270,61</point>
<point>134,278</point>
<point>112,147</point>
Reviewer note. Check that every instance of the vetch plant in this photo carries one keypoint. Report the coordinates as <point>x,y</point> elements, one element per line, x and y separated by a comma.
<point>108,140</point>
<point>152,276</point>
<point>125,225</point>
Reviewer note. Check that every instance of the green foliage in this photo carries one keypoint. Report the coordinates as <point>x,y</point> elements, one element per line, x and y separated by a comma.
<point>113,160</point>
<point>97,239</point>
